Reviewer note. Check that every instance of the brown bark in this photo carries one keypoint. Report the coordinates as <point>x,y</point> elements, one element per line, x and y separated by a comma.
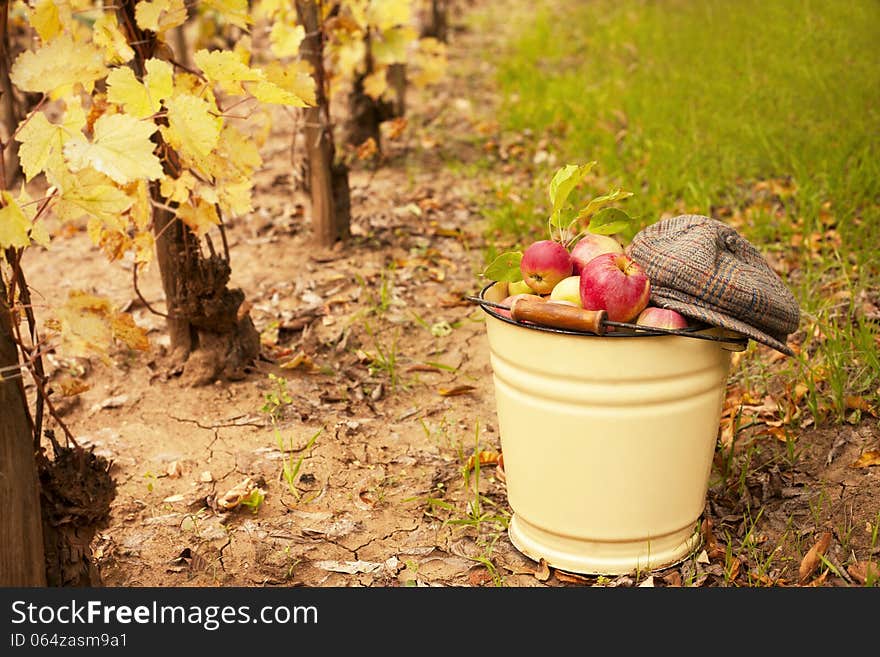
<point>76,491</point>
<point>10,111</point>
<point>327,179</point>
<point>435,23</point>
<point>365,113</point>
<point>21,535</point>
<point>210,337</point>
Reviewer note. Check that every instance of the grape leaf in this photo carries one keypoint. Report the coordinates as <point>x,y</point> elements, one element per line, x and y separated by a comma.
<point>234,12</point>
<point>107,35</point>
<point>285,39</point>
<point>385,14</point>
<point>200,218</point>
<point>392,45</point>
<point>430,62</point>
<point>226,69</point>
<point>90,193</point>
<point>40,140</point>
<point>14,224</point>
<point>193,128</point>
<point>141,99</point>
<point>160,15</point>
<point>505,267</point>
<point>609,221</point>
<point>45,19</point>
<point>376,83</point>
<point>121,148</point>
<point>55,68</point>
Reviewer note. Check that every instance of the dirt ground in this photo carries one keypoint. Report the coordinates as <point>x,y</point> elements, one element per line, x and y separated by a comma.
<point>380,358</point>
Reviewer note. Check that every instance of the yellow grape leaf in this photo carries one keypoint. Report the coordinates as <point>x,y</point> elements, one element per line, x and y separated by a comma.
<point>295,77</point>
<point>200,218</point>
<point>349,53</point>
<point>386,14</point>
<point>430,62</point>
<point>269,92</point>
<point>235,197</point>
<point>112,242</point>
<point>376,83</point>
<point>393,45</point>
<point>74,115</point>
<point>107,35</point>
<point>141,211</point>
<point>89,193</point>
<point>57,67</point>
<point>285,39</point>
<point>126,331</point>
<point>177,189</point>
<point>141,99</point>
<point>44,18</point>
<point>160,15</point>
<point>84,325</point>
<point>232,11</point>
<point>240,150</point>
<point>40,141</point>
<point>270,8</point>
<point>193,127</point>
<point>144,247</point>
<point>159,78</point>
<point>227,70</point>
<point>15,226</point>
<point>121,148</point>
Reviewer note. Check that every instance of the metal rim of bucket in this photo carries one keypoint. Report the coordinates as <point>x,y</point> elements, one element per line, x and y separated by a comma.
<point>737,344</point>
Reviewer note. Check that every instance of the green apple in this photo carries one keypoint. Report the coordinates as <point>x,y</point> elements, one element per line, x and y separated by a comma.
<point>519,287</point>
<point>568,289</point>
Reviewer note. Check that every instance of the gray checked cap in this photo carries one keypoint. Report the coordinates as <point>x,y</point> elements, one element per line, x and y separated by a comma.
<point>707,271</point>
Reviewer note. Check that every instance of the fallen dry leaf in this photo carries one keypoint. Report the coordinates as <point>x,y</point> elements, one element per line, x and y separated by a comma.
<point>234,496</point>
<point>486,458</point>
<point>861,571</point>
<point>571,578</point>
<point>867,459</point>
<point>812,559</point>
<point>854,403</point>
<point>542,572</point>
<point>457,390</point>
<point>673,579</point>
<point>648,582</point>
<point>479,576</point>
<point>733,572</point>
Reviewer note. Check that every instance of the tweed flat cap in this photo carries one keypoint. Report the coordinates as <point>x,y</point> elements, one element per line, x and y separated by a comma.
<point>707,271</point>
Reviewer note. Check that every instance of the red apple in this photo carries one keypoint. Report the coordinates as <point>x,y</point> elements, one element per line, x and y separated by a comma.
<point>544,264</point>
<point>591,245</point>
<point>661,318</point>
<point>613,282</point>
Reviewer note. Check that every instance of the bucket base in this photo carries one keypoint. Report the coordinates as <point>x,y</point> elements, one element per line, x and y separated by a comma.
<point>602,557</point>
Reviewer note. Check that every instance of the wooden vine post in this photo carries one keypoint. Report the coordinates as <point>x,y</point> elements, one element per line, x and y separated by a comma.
<point>328,180</point>
<point>21,533</point>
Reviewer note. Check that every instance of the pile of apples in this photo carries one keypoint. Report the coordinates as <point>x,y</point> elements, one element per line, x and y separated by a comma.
<point>596,274</point>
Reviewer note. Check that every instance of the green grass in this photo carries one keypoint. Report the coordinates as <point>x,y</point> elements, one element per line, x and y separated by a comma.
<point>763,114</point>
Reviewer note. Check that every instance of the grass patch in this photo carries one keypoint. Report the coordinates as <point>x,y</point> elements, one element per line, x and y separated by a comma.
<point>764,115</point>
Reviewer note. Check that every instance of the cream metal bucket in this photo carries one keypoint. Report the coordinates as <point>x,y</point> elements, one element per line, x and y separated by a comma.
<point>607,442</point>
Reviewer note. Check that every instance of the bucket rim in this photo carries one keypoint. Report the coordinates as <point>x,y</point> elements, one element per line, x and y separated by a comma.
<point>691,331</point>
